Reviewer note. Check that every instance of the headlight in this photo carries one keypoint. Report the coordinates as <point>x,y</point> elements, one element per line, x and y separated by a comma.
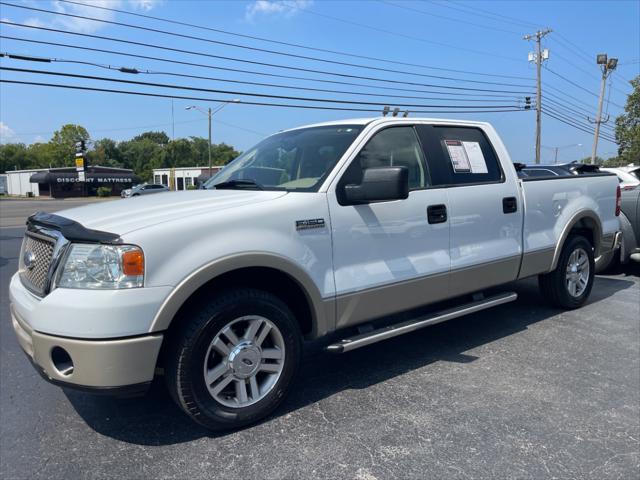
<point>102,267</point>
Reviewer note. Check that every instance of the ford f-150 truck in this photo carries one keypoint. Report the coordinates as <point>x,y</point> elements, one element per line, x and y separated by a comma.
<point>320,233</point>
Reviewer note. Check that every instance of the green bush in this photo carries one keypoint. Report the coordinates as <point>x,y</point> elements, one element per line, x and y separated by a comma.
<point>104,191</point>
<point>192,187</point>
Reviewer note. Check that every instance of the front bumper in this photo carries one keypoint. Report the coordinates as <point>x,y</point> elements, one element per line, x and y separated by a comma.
<point>119,366</point>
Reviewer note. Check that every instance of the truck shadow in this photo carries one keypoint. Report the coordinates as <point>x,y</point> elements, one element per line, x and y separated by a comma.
<point>156,420</point>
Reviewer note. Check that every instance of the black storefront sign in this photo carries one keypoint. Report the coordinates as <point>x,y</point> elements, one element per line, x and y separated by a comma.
<point>65,182</point>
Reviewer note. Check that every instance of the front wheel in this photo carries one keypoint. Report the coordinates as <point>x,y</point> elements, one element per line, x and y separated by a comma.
<point>233,360</point>
<point>570,284</point>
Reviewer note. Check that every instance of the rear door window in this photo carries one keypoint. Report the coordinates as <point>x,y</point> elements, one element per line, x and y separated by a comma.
<point>459,156</point>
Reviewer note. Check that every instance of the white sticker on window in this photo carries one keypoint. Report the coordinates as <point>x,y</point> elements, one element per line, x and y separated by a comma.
<point>458,156</point>
<point>476,158</point>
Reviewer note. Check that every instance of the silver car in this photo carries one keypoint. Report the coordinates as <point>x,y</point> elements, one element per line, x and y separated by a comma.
<point>144,189</point>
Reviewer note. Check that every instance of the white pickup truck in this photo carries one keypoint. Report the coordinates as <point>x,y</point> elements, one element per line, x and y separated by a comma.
<point>320,232</point>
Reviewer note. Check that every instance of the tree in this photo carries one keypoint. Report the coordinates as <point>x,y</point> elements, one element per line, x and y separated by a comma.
<point>160,138</point>
<point>64,141</point>
<point>14,156</point>
<point>106,153</point>
<point>628,127</point>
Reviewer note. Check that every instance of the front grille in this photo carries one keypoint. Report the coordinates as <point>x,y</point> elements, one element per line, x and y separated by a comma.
<point>39,251</point>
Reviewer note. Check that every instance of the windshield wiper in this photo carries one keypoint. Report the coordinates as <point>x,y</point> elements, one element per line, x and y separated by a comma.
<point>232,184</point>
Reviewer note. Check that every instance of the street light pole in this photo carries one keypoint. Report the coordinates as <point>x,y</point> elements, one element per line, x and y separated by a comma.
<point>608,66</point>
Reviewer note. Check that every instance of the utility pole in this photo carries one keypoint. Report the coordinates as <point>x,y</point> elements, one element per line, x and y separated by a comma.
<point>607,67</point>
<point>538,57</point>
<point>209,113</point>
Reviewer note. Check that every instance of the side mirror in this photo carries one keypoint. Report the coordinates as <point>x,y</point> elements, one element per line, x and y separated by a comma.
<point>379,184</point>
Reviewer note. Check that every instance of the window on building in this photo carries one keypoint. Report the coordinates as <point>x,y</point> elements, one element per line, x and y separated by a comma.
<point>188,181</point>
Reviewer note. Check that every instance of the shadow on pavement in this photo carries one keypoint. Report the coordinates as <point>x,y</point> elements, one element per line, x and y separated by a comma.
<point>156,420</point>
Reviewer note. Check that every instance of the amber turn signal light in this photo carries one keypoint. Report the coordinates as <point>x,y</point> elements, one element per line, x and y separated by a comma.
<point>133,262</point>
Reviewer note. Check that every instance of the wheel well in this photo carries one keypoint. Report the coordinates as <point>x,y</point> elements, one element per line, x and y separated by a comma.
<point>267,279</point>
<point>585,227</point>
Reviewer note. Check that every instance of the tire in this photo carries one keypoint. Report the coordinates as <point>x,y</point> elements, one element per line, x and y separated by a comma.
<point>197,348</point>
<point>556,286</point>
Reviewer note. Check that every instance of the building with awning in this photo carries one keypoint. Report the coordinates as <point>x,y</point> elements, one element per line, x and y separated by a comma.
<point>64,182</point>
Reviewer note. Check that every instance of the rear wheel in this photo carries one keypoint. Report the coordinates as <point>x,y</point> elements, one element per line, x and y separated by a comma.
<point>234,358</point>
<point>570,284</point>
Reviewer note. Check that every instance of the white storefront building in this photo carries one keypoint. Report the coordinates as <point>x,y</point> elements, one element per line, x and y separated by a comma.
<point>182,178</point>
<point>18,182</point>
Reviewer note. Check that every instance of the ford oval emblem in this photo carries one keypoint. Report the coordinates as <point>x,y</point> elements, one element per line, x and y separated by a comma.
<point>29,259</point>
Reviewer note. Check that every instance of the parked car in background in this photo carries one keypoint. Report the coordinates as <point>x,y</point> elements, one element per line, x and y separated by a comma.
<point>633,170</point>
<point>630,227</point>
<point>144,189</point>
<point>558,169</point>
<point>628,178</point>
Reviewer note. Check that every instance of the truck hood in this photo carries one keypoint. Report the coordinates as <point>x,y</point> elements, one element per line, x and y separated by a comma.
<point>124,216</point>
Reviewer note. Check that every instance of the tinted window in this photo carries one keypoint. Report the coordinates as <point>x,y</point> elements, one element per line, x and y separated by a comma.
<point>459,155</point>
<point>391,147</point>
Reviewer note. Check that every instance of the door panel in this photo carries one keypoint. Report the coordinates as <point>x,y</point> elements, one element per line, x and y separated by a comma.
<point>387,257</point>
<point>484,207</point>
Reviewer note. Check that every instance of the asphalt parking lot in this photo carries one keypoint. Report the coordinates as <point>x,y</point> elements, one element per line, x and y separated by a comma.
<point>519,391</point>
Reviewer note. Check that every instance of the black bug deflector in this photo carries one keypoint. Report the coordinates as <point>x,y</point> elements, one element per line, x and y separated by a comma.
<point>70,229</point>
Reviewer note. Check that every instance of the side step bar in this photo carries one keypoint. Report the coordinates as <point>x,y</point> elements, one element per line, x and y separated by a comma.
<point>391,331</point>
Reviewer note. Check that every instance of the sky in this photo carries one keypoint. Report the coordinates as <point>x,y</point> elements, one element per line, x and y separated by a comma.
<point>466,44</point>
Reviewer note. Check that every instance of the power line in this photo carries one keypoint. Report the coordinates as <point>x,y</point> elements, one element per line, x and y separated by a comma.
<point>577,121</point>
<point>221,57</point>
<point>132,70</point>
<point>410,37</point>
<point>236,70</point>
<point>565,94</point>
<point>585,128</point>
<point>456,20</point>
<point>487,14</point>
<point>573,109</point>
<point>289,44</point>
<point>265,104</point>
<point>249,94</point>
<point>577,85</point>
<point>588,73</point>
<point>547,113</point>
<point>256,49</point>
<point>577,116</point>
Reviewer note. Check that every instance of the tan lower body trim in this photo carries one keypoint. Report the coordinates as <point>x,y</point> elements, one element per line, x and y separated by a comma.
<point>96,363</point>
<point>357,307</point>
<point>536,262</point>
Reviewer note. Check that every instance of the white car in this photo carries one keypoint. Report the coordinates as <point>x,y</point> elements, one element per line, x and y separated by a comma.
<point>317,233</point>
<point>628,180</point>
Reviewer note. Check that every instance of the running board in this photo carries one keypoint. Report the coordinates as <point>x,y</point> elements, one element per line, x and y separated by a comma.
<point>391,331</point>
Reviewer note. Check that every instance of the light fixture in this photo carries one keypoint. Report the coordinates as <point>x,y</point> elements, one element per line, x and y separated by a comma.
<point>601,59</point>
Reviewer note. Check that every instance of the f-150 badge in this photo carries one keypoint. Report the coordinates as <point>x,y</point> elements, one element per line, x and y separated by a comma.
<point>310,223</point>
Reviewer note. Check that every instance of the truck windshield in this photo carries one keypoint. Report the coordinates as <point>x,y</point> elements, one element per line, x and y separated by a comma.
<point>297,160</point>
